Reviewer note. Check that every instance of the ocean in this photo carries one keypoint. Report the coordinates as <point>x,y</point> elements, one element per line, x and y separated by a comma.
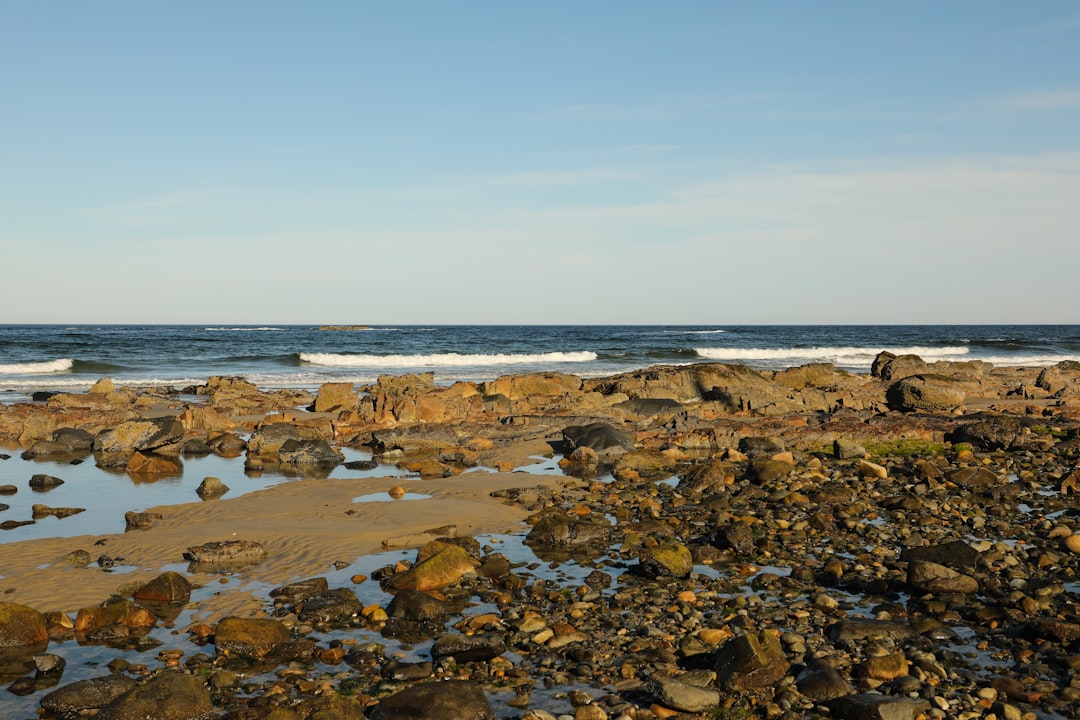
<point>71,358</point>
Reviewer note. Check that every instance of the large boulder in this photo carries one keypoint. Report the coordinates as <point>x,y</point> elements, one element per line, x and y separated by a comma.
<point>598,436</point>
<point>114,447</point>
<point>533,385</point>
<point>336,396</point>
<point>21,626</point>
<point>447,700</point>
<point>902,366</point>
<point>925,393</point>
<point>310,453</point>
<point>253,637</point>
<point>65,441</point>
<point>330,606</point>
<point>666,560</point>
<point>441,570</point>
<point>169,587</point>
<point>750,662</point>
<point>168,696</point>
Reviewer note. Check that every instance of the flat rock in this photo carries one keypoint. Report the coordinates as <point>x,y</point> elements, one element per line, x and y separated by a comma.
<point>225,551</point>
<point>877,707</point>
<point>85,695</point>
<point>448,700</point>
<point>172,695</point>
<point>681,696</point>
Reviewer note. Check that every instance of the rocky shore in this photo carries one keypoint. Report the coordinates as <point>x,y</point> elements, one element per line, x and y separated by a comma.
<point>721,543</point>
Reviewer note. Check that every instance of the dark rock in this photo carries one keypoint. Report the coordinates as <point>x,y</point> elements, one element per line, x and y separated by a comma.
<point>994,434</point>
<point>820,681</point>
<point>169,587</point>
<point>8,489</point>
<point>925,393</point>
<point>330,606</point>
<point>598,436</point>
<point>751,661</point>
<point>402,671</point>
<point>755,447</point>
<point>168,696</point>
<point>764,470</point>
<point>468,648</point>
<point>310,453</point>
<point>41,482</point>
<point>227,445</point>
<point>298,591</point>
<point>448,700</point>
<point>880,361</point>
<point>140,520</point>
<point>196,447</point>
<point>956,554</point>
<point>361,465</point>
<point>21,626</point>
<point>648,406</point>
<point>84,695</point>
<point>902,366</point>
<point>226,551</point>
<point>211,487</point>
<point>268,440</point>
<point>704,477</point>
<point>253,637</point>
<point>859,629</point>
<point>973,477</point>
<point>561,530</point>
<point>416,606</point>
<point>846,449</point>
<point>735,536</point>
<point>876,707</point>
<point>666,560</point>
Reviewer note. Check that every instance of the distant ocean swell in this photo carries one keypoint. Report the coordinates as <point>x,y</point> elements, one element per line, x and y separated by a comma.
<point>443,359</point>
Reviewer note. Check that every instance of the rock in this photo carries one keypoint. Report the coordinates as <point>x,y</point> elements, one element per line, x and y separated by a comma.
<point>990,434</point>
<point>402,671</point>
<point>91,694</point>
<point>122,612</point>
<point>704,477</point>
<point>759,447</point>
<point>148,464</point>
<point>468,648</point>
<point>855,630</point>
<point>140,520</point>
<point>169,587</point>
<point>416,606</point>
<point>267,440</point>
<point>868,469</point>
<point>820,681</point>
<point>902,366</point>
<point>751,661</point>
<point>924,393</point>
<point>211,487</point>
<point>765,470</point>
<point>681,696</point>
<point>195,447</point>
<point>973,477</point>
<point>846,449</point>
<point>880,361</point>
<point>317,453</point>
<point>225,551</point>
<point>65,441</point>
<point>8,489</point>
<point>883,667</point>
<point>21,626</point>
<point>169,696</point>
<point>50,664</point>
<point>330,606</point>
<point>876,707</point>
<point>447,700</point>
<point>735,536</point>
<point>598,436</point>
<point>559,530</point>
<point>298,591</point>
<point>41,482</point>
<point>441,570</point>
<point>252,637</point>
<point>666,560</point>
<point>956,554</point>
<point>38,511</point>
<point>113,448</point>
<point>227,445</point>
<point>104,386</point>
<point>336,396</point>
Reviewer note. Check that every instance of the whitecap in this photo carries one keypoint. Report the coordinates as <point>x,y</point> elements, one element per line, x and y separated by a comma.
<point>443,359</point>
<point>37,368</point>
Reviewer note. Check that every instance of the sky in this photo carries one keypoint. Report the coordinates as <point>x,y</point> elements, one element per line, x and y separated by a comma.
<point>611,161</point>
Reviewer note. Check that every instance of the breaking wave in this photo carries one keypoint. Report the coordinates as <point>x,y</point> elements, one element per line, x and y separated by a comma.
<point>38,368</point>
<point>839,355</point>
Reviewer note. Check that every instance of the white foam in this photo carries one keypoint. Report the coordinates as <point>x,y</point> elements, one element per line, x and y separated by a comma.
<point>1028,360</point>
<point>38,368</point>
<point>244,329</point>
<point>442,359</point>
<point>838,355</point>
<point>697,332</point>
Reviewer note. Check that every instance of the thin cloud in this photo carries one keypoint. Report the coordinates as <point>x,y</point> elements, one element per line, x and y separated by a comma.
<point>1042,100</point>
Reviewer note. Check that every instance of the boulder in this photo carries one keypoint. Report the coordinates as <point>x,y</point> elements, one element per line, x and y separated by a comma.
<point>310,453</point>
<point>114,447</point>
<point>666,560</point>
<point>21,626</point>
<point>924,393</point>
<point>902,366</point>
<point>169,587</point>
<point>956,554</point>
<point>447,700</point>
<point>330,606</point>
<point>671,692</point>
<point>990,434</point>
<point>267,440</point>
<point>877,707</point>
<point>297,591</point>
<point>735,536</point>
<point>468,648</point>
<point>533,385</point>
<point>251,637</point>
<point>847,449</point>
<point>172,695</point>
<point>559,530</point>
<point>150,465</point>
<point>598,436</point>
<point>123,612</point>
<point>441,570</point>
<point>65,441</point>
<point>211,487</point>
<point>820,681</point>
<point>417,607</point>
<point>933,578</point>
<point>750,662</point>
<point>224,551</point>
<point>42,482</point>
<point>336,396</point>
<point>80,697</point>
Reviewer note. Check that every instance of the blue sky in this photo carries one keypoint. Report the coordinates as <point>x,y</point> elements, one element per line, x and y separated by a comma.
<point>558,162</point>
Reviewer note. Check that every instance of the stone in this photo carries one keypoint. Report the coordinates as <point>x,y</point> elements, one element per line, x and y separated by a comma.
<point>468,648</point>
<point>681,696</point>
<point>956,554</point>
<point>447,700</point>
<point>416,606</point>
<point>820,681</point>
<point>855,630</point>
<point>330,606</point>
<point>267,440</point>
<point>85,695</point>
<point>846,449</point>
<point>883,667</point>
<point>764,470</point>
<point>441,570</point>
<point>666,560</point>
<point>736,536</point>
<point>226,551</point>
<point>751,661</point>
<point>21,626</point>
<point>559,530</point>
<point>317,453</point>
<point>122,612</point>
<point>876,707</point>
<point>38,511</point>
<point>296,592</point>
<point>140,520</point>
<point>148,464</point>
<point>115,446</point>
<point>597,436</point>
<point>334,397</point>
<point>933,578</point>
<point>902,366</point>
<point>253,637</point>
<point>172,695</point>
<point>169,587</point>
<point>210,488</point>
<point>973,477</point>
<point>42,482</point>
<point>924,393</point>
